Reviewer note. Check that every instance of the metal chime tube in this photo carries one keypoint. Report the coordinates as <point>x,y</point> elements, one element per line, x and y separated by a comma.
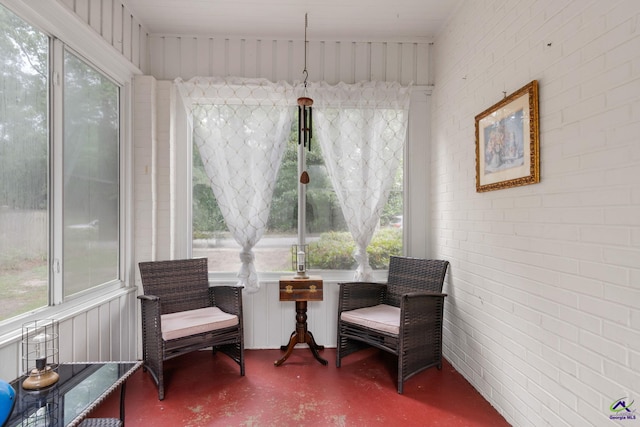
<point>300,133</point>
<point>310,124</point>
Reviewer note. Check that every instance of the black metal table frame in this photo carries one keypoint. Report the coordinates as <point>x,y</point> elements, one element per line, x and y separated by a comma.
<point>121,382</point>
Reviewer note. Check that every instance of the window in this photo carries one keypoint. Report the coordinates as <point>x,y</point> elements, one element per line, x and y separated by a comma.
<point>54,207</point>
<point>24,166</point>
<point>330,243</point>
<point>91,190</point>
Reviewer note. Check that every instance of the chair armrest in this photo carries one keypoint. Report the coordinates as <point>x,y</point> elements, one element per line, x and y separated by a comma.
<point>353,295</point>
<point>227,298</point>
<point>418,300</point>
<point>424,294</point>
<point>150,306</point>
<point>150,312</point>
<point>420,308</point>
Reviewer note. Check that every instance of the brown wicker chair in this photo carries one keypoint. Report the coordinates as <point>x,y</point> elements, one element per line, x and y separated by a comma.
<point>402,317</point>
<point>180,288</point>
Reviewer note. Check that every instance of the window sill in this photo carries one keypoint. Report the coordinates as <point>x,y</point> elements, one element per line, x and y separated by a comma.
<point>226,278</point>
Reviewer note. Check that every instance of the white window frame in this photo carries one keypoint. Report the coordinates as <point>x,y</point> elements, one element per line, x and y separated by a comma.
<point>53,21</point>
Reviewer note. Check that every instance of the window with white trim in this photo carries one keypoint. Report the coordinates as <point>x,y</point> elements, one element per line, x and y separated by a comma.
<point>328,235</point>
<point>59,191</point>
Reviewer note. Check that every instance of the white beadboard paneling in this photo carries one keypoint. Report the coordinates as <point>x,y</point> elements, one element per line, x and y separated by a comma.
<point>275,314</point>
<point>80,331</point>
<point>144,50</point>
<point>203,59</point>
<point>108,18</point>
<point>329,55</point>
<point>156,62</point>
<point>107,21</point>
<point>269,322</point>
<point>315,64</point>
<point>187,48</point>
<point>126,34</point>
<point>118,14</point>
<point>136,30</point>
<point>393,61</point>
<point>408,65</point>
<point>82,10</point>
<point>346,66</point>
<point>282,60</point>
<point>250,58</point>
<point>378,61</point>
<point>264,59</point>
<point>284,321</point>
<point>94,333</point>
<point>95,16</point>
<point>417,242</point>
<point>218,57</point>
<point>93,325</point>
<point>172,50</point>
<point>362,61</point>
<point>115,322</point>
<point>296,61</point>
<point>10,361</point>
<point>248,304</point>
<point>104,335</point>
<point>69,4</point>
<point>422,64</point>
<point>330,61</point>
<point>234,61</point>
<point>66,340</point>
<point>126,307</point>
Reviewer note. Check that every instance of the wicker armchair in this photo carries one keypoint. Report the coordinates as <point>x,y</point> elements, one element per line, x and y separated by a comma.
<point>181,313</point>
<point>402,317</point>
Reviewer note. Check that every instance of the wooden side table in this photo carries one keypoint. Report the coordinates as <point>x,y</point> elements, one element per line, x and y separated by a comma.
<point>301,291</point>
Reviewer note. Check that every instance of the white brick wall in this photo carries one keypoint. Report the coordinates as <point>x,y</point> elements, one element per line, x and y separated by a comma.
<point>543,313</point>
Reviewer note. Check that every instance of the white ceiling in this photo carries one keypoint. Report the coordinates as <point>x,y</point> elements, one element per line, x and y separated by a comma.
<point>277,19</point>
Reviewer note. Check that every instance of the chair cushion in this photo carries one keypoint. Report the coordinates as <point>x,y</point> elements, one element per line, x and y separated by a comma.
<point>184,323</point>
<point>379,317</point>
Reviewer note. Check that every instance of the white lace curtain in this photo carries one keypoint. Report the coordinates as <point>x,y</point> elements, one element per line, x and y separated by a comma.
<point>240,127</point>
<point>361,129</point>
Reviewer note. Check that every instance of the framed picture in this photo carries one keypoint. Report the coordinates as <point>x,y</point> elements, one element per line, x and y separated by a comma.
<point>507,142</point>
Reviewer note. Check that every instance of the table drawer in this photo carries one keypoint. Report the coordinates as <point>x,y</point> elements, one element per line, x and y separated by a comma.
<point>292,289</point>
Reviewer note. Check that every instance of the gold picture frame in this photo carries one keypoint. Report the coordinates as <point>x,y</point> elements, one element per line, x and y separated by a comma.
<point>507,142</point>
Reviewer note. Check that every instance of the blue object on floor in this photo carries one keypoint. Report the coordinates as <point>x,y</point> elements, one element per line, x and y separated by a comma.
<point>7,400</point>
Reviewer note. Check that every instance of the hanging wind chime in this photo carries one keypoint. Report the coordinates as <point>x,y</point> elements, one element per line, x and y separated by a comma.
<point>305,120</point>
<point>305,133</point>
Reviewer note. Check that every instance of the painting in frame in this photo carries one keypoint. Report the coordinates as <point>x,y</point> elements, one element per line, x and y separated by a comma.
<point>507,141</point>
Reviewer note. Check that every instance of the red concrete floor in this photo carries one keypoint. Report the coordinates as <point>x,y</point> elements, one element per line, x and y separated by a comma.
<point>206,390</point>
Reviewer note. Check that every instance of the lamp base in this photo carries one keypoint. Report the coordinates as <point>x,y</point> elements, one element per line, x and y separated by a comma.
<point>301,275</point>
<point>40,379</point>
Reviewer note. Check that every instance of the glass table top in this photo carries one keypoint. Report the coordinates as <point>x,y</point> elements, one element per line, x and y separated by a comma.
<point>81,387</point>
